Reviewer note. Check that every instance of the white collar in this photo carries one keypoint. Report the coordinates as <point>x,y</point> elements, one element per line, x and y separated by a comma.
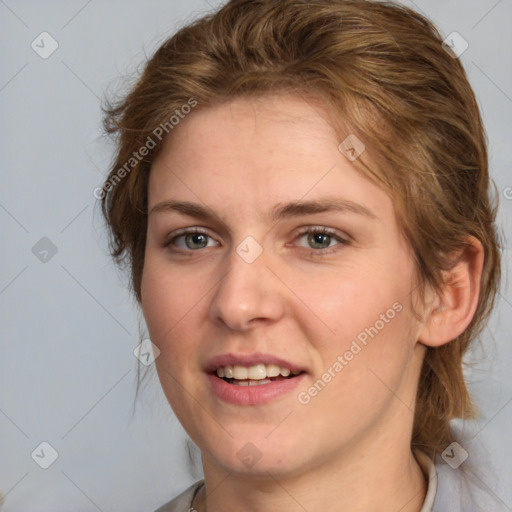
<point>429,470</point>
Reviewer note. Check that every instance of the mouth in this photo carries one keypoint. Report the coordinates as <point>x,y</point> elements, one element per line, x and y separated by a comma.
<point>252,379</point>
<point>255,375</point>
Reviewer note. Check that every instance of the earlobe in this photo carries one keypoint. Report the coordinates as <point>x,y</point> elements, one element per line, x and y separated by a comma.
<point>454,306</point>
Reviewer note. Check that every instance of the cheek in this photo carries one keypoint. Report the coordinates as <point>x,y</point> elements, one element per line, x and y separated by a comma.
<point>169,303</point>
<point>349,300</point>
<point>368,323</point>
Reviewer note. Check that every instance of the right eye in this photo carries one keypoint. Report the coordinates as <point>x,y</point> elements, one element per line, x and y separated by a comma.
<point>189,240</point>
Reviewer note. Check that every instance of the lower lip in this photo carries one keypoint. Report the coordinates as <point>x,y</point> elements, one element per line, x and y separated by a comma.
<point>253,395</point>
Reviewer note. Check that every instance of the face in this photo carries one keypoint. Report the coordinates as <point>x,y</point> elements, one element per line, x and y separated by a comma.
<point>269,254</point>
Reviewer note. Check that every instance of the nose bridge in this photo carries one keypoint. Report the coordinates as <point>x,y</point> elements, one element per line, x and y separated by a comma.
<point>248,290</point>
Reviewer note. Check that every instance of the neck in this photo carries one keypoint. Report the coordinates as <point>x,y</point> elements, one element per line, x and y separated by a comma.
<point>379,479</point>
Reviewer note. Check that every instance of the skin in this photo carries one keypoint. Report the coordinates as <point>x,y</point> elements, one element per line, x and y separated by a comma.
<point>241,159</point>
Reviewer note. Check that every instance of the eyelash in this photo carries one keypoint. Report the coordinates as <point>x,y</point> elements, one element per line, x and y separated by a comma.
<point>309,230</point>
<point>324,231</point>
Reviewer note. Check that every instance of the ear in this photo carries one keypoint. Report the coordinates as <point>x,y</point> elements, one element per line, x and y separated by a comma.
<point>453,308</point>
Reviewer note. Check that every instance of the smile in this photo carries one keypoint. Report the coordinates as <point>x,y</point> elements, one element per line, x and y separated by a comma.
<point>255,375</point>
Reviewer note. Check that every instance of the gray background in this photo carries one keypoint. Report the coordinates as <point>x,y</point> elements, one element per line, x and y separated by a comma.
<point>68,327</point>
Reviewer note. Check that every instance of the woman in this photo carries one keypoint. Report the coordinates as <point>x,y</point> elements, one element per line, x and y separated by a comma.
<point>301,192</point>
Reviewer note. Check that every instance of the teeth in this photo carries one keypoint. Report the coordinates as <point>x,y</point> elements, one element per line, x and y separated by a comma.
<point>257,372</point>
<point>240,372</point>
<point>253,382</point>
<point>258,382</point>
<point>272,370</point>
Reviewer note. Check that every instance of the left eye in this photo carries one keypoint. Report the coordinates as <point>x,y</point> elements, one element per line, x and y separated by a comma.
<point>320,238</point>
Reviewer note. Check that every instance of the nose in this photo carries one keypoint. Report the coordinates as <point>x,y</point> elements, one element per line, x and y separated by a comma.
<point>248,294</point>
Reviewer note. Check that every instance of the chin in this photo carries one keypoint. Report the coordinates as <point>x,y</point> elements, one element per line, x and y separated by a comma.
<point>257,456</point>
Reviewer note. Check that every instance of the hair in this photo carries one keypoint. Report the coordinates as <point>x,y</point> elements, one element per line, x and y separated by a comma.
<point>386,77</point>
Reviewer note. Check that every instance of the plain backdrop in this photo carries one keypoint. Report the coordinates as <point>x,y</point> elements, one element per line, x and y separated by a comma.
<point>68,325</point>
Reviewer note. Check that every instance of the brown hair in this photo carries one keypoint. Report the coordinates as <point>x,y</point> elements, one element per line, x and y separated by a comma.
<point>380,67</point>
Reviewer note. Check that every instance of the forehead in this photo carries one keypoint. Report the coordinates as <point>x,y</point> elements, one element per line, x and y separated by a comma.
<point>243,127</point>
<point>251,152</point>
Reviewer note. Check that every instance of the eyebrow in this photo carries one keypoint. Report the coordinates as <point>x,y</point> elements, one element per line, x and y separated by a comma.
<point>279,212</point>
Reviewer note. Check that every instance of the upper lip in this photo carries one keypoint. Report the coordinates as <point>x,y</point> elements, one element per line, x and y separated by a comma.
<point>248,360</point>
